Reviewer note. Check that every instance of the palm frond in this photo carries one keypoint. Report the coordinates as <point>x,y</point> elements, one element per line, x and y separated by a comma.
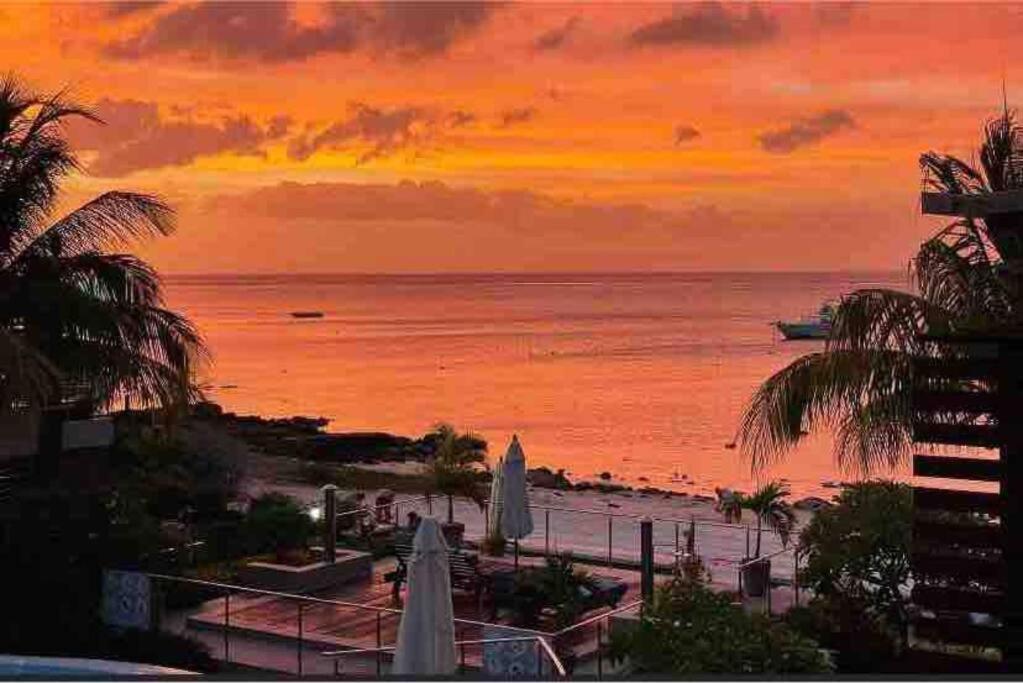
<point>815,391</point>
<point>951,175</point>
<point>875,435</point>
<point>957,271</point>
<point>112,219</point>
<point>885,319</point>
<point>27,378</point>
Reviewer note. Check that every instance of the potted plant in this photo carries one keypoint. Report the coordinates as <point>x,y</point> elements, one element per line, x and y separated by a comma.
<point>769,505</point>
<point>454,472</point>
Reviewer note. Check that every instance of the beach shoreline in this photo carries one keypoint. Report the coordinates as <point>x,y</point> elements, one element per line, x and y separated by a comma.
<point>378,460</point>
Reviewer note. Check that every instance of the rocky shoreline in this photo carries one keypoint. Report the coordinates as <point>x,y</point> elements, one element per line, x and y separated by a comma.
<point>305,438</point>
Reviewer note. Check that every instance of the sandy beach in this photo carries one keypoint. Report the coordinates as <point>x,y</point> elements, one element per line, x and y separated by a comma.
<point>569,521</point>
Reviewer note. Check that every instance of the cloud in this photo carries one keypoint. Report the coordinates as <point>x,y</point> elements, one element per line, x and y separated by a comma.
<point>123,8</point>
<point>556,37</point>
<point>420,29</point>
<point>136,137</point>
<point>806,131</point>
<point>384,131</point>
<point>512,117</point>
<point>709,24</point>
<point>268,31</point>
<point>460,118</point>
<point>685,133</point>
<point>518,210</point>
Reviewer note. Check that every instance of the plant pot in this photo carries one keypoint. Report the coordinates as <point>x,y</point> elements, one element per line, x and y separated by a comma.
<point>756,578</point>
<point>453,533</point>
<point>493,546</point>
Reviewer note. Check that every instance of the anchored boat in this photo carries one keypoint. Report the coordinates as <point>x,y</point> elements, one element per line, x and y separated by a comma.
<point>813,327</point>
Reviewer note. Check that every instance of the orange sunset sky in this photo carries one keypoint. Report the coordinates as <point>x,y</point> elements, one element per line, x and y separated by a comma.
<point>480,137</point>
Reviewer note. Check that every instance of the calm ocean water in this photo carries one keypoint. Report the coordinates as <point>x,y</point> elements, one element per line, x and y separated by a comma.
<point>643,376</point>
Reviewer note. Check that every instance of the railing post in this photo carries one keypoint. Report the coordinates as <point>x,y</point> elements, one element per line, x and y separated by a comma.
<point>337,671</point>
<point>646,557</point>
<point>546,533</point>
<point>747,543</point>
<point>379,645</point>
<point>330,522</point>
<point>600,662</point>
<point>300,605</point>
<point>227,625</point>
<point>610,523</point>
<point>795,574</point>
<point>461,647</point>
<point>677,546</point>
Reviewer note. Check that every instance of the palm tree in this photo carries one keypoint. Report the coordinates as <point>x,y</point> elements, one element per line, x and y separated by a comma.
<point>75,317</point>
<point>769,506</point>
<point>967,279</point>
<point>454,466</point>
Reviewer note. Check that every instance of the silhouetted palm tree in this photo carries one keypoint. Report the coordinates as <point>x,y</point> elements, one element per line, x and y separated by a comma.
<point>968,279</point>
<point>767,503</point>
<point>454,464</point>
<point>75,317</point>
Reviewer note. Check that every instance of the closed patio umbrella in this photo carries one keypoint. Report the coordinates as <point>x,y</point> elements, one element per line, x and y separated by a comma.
<point>494,502</point>
<point>426,636</point>
<point>516,519</point>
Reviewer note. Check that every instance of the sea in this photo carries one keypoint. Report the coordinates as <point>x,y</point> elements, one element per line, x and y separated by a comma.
<point>639,377</point>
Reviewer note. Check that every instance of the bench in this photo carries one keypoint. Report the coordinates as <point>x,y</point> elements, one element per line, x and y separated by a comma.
<point>464,568</point>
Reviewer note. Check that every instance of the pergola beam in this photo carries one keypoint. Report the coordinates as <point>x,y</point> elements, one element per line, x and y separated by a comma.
<point>971,205</point>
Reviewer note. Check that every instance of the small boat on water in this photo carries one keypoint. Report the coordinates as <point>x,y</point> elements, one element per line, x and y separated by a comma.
<point>307,314</point>
<point>813,327</point>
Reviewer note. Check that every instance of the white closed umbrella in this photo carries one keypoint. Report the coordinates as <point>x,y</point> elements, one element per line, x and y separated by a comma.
<point>516,519</point>
<point>426,636</point>
<point>494,503</point>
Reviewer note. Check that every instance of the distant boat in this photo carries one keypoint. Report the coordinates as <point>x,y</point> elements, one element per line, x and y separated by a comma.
<point>814,327</point>
<point>307,314</point>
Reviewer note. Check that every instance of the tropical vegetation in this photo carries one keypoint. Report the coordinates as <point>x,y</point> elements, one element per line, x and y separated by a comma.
<point>455,466</point>
<point>79,318</point>
<point>967,278</point>
<point>692,630</point>
<point>856,565</point>
<point>767,504</point>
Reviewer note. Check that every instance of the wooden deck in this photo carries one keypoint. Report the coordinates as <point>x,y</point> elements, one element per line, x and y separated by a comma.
<point>327,627</point>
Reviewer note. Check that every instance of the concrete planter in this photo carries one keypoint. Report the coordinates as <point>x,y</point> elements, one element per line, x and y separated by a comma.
<point>350,566</point>
<point>756,578</point>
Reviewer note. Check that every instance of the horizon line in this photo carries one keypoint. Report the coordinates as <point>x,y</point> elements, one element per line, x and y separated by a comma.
<point>533,273</point>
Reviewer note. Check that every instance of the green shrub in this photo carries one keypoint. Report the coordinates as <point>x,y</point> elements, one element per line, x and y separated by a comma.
<point>277,523</point>
<point>691,630</point>
<point>555,587</point>
<point>857,565</point>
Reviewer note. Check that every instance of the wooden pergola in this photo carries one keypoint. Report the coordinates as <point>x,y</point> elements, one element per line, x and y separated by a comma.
<point>968,542</point>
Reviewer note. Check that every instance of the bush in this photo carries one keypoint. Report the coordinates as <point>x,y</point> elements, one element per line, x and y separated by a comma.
<point>191,474</point>
<point>555,587</point>
<point>857,566</point>
<point>277,523</point>
<point>691,630</point>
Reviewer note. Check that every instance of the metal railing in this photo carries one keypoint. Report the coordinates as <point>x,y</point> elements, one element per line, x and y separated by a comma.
<point>543,650</point>
<point>602,625</point>
<point>728,544</point>
<point>303,601</point>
